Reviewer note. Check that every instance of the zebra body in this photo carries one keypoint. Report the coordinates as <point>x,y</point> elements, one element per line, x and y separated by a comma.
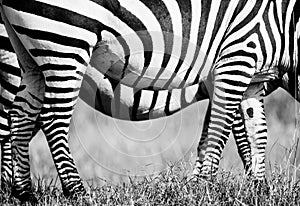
<point>228,40</point>
<point>101,96</point>
<point>101,93</point>
<point>155,53</point>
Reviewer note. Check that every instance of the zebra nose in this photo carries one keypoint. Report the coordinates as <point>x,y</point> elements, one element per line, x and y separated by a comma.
<point>250,112</point>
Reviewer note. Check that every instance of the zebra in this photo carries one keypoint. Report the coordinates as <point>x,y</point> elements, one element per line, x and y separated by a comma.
<point>265,64</point>
<point>26,96</point>
<point>264,35</point>
<point>107,90</point>
<point>222,40</point>
<point>94,83</point>
<point>99,85</point>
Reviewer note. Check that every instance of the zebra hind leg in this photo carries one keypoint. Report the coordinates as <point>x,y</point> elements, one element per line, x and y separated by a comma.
<point>22,185</point>
<point>55,122</point>
<point>58,143</point>
<point>6,165</point>
<point>6,162</point>
<point>24,115</point>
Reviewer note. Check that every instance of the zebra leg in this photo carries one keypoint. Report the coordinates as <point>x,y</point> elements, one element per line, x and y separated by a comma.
<point>16,152</point>
<point>22,186</point>
<point>240,136</point>
<point>6,169</point>
<point>6,165</point>
<point>63,69</point>
<point>23,119</point>
<point>24,114</point>
<point>4,128</point>
<point>227,93</point>
<point>242,142</point>
<point>202,143</point>
<point>10,80</point>
<point>59,103</point>
<point>256,127</point>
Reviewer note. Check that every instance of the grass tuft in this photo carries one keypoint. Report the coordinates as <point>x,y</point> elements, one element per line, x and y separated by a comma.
<point>174,187</point>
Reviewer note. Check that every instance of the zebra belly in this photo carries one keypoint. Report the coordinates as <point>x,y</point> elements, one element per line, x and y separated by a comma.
<point>109,59</point>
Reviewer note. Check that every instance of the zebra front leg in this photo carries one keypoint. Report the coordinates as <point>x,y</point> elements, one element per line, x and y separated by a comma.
<point>229,85</point>
<point>202,144</point>
<point>256,127</point>
<point>240,136</point>
<point>242,142</point>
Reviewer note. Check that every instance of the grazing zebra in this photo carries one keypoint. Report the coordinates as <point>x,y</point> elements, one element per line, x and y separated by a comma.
<point>177,44</point>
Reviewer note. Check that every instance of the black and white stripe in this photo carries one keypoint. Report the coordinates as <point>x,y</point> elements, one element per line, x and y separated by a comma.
<point>255,43</point>
<point>103,94</point>
<point>228,41</point>
<point>113,99</point>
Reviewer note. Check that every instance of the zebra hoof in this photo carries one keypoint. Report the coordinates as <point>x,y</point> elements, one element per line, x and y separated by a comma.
<point>6,187</point>
<point>78,192</point>
<point>24,195</point>
<point>207,176</point>
<point>27,198</point>
<point>261,187</point>
<point>80,197</point>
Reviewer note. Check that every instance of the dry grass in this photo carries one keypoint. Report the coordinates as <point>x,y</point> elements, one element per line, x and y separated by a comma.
<point>173,187</point>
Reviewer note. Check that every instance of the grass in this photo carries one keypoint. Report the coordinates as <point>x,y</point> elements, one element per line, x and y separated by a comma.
<point>173,187</point>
